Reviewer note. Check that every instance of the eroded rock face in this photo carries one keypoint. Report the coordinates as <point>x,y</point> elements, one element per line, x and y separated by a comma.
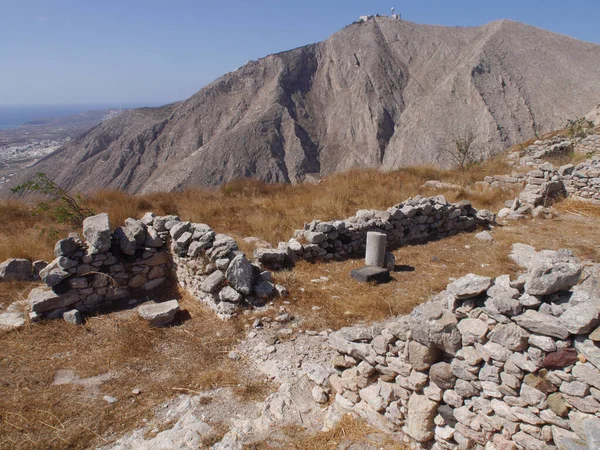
<point>328,81</point>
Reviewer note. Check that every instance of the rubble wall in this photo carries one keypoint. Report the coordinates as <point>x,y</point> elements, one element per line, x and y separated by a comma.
<point>416,220</point>
<point>488,363</point>
<point>142,256</point>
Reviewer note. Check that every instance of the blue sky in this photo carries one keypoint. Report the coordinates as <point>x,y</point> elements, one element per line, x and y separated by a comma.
<point>152,52</point>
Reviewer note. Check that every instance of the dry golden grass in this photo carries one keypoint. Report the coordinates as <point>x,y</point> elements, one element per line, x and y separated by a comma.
<point>426,270</point>
<point>348,432</point>
<point>251,208</point>
<point>191,356</point>
<point>162,362</point>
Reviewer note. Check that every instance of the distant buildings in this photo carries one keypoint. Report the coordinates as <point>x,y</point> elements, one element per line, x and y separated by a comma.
<point>367,18</point>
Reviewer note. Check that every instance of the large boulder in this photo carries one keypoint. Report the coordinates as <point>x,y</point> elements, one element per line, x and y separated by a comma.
<point>16,269</point>
<point>96,232</point>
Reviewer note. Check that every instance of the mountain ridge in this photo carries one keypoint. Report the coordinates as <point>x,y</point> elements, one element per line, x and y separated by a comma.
<point>384,93</point>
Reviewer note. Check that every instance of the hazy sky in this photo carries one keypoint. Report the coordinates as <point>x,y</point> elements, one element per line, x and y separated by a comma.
<point>148,51</point>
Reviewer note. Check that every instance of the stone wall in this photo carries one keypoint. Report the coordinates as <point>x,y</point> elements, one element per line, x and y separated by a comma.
<point>416,220</point>
<point>488,363</point>
<point>144,255</point>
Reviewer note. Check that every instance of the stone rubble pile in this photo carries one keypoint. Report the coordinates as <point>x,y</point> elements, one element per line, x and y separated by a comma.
<point>416,220</point>
<point>486,364</point>
<point>138,258</point>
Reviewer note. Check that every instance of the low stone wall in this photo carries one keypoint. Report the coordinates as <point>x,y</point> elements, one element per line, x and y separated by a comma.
<point>142,256</point>
<point>416,220</point>
<point>488,363</point>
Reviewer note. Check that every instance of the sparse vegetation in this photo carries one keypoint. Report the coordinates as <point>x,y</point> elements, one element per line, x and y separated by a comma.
<point>579,127</point>
<point>463,155</point>
<point>65,206</point>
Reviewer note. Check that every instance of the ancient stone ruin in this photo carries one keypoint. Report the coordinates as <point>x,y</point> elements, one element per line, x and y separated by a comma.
<point>142,256</point>
<point>509,362</point>
<point>416,220</point>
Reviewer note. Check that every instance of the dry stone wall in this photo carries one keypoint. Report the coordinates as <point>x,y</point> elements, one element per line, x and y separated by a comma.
<point>416,220</point>
<point>488,363</point>
<point>142,256</point>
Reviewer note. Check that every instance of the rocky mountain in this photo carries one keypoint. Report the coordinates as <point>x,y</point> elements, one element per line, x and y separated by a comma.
<point>383,93</point>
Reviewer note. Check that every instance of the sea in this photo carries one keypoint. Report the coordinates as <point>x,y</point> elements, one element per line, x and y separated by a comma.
<point>12,116</point>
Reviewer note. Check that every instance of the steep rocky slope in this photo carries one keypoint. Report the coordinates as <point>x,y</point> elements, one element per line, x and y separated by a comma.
<point>384,93</point>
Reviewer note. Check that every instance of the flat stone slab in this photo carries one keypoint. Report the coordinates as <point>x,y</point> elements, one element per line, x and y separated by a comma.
<point>159,314</point>
<point>371,274</point>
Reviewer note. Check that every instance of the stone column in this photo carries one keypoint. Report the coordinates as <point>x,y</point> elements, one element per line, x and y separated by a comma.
<point>375,255</point>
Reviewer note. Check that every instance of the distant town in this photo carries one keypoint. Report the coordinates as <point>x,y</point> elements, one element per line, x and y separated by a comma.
<point>22,146</point>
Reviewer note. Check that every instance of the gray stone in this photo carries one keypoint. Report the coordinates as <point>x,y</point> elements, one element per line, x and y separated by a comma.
<point>495,351</point>
<point>65,247</point>
<point>196,248</point>
<point>178,229</point>
<point>524,362</point>
<point>264,289</point>
<point>420,418</point>
<point>159,314</point>
<point>432,324</point>
<point>96,232</point>
<point>504,304</point>
<point>484,236</point>
<point>575,388</point>
<point>532,396</point>
<point>270,256</point>
<point>240,274</point>
<point>229,294</point>
<point>153,284</point>
<point>73,317</point>
<point>588,349</point>
<point>510,336</point>
<point>591,429</point>
<point>16,269</point>
<point>567,440</point>
<point>550,276</point>
<point>587,373</point>
<point>420,356</point>
<point>12,320</point>
<point>315,237</point>
<point>542,324</point>
<point>581,318</point>
<point>153,239</point>
<point>543,342</point>
<point>472,330</point>
<point>44,300</point>
<point>369,274</point>
<point>212,282</point>
<point>469,286</point>
<point>127,242</point>
<point>441,374</point>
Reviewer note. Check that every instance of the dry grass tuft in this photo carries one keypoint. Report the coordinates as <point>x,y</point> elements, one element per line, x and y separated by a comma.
<point>349,432</point>
<point>578,208</point>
